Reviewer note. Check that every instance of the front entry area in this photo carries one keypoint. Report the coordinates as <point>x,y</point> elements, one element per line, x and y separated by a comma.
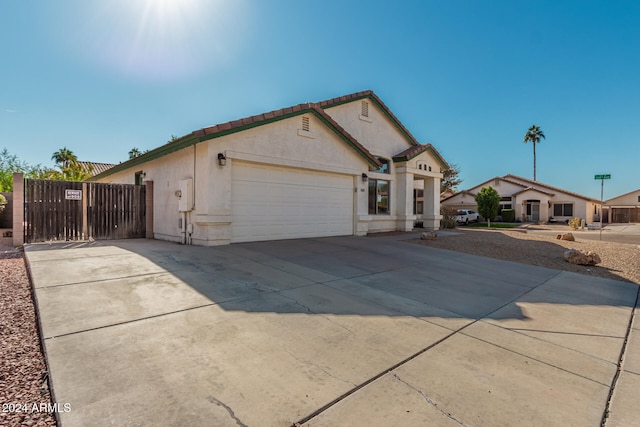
<point>533,210</point>
<point>275,203</point>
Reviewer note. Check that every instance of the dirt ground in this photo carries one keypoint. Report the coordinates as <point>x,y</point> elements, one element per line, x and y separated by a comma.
<point>620,261</point>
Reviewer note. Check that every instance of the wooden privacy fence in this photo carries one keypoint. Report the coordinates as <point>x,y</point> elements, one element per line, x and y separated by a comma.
<point>63,210</point>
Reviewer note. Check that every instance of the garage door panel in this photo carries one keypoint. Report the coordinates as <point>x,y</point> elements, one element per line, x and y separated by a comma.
<point>270,203</point>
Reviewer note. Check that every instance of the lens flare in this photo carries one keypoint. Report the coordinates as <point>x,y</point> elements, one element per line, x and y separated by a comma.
<point>160,40</point>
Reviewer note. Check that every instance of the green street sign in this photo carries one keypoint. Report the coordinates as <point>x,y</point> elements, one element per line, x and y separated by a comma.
<point>607,176</point>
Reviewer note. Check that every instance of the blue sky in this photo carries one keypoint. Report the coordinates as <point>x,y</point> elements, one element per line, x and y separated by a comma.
<point>103,76</point>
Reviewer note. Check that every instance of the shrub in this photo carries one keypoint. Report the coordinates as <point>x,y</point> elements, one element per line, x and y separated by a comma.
<point>508,215</point>
<point>448,217</point>
<point>3,203</point>
<point>574,223</point>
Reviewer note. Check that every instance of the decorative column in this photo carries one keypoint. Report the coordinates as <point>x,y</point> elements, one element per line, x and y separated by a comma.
<point>432,215</point>
<point>405,217</point>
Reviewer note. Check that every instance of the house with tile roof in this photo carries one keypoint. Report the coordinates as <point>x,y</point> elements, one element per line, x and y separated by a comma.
<point>95,168</point>
<point>343,166</point>
<point>532,201</point>
<point>623,209</point>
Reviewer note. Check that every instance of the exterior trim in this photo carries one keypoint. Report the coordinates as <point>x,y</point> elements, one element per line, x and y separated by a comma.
<point>334,102</point>
<point>415,151</point>
<point>235,126</point>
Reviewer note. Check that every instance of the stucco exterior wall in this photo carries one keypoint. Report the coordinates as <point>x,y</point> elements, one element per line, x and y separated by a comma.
<point>377,132</point>
<point>629,199</point>
<point>166,173</point>
<point>582,208</point>
<point>277,143</point>
<point>283,143</point>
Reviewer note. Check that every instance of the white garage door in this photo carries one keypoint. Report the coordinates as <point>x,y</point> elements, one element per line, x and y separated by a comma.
<point>271,203</point>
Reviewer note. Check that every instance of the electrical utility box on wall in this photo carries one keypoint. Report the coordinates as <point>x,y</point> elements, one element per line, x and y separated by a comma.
<point>185,202</point>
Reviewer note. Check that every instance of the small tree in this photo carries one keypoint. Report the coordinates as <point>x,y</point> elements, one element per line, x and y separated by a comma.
<point>450,179</point>
<point>488,201</point>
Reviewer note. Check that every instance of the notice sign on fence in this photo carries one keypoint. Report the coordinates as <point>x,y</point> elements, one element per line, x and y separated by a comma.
<point>73,194</point>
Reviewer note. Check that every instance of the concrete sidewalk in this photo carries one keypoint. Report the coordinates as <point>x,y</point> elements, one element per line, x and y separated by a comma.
<point>332,331</point>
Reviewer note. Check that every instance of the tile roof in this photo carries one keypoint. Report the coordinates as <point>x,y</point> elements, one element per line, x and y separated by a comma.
<point>463,192</point>
<point>623,195</point>
<point>528,184</point>
<point>370,94</point>
<point>317,109</point>
<point>533,189</point>
<point>416,150</point>
<point>539,184</point>
<point>95,168</point>
<point>248,122</point>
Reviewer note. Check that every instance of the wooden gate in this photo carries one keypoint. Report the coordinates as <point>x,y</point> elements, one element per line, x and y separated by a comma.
<point>64,211</point>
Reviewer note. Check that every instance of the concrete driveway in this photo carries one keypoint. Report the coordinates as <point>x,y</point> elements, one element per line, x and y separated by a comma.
<point>330,332</point>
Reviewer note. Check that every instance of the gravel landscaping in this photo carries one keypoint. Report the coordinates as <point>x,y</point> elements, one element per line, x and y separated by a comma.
<point>620,261</point>
<point>24,391</point>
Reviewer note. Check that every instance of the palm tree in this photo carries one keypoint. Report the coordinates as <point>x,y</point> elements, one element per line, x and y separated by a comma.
<point>533,135</point>
<point>64,157</point>
<point>134,152</point>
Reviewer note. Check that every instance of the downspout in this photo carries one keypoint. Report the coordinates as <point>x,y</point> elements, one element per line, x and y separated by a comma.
<point>189,225</point>
<point>183,233</point>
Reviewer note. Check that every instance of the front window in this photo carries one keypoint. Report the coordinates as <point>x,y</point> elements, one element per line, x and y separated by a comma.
<point>418,201</point>
<point>563,209</point>
<point>385,165</point>
<point>378,197</point>
<point>505,203</point>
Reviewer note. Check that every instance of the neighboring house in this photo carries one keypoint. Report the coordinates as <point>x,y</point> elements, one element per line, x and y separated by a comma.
<point>95,168</point>
<point>623,209</point>
<point>344,166</point>
<point>531,200</point>
<point>446,194</point>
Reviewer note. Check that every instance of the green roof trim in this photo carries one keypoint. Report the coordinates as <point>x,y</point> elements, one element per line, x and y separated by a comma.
<point>171,147</point>
<point>229,128</point>
<point>373,97</point>
<point>416,151</point>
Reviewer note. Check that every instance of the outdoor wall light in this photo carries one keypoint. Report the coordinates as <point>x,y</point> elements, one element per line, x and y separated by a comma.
<point>222,160</point>
<point>365,178</point>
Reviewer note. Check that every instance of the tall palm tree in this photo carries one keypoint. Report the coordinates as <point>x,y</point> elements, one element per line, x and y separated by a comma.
<point>134,152</point>
<point>64,157</point>
<point>533,135</point>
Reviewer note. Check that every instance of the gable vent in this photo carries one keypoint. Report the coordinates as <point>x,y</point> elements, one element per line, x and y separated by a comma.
<point>305,124</point>
<point>364,109</point>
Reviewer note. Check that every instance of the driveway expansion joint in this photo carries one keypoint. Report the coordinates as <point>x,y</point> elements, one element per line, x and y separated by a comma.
<point>429,400</point>
<point>534,359</point>
<point>415,355</point>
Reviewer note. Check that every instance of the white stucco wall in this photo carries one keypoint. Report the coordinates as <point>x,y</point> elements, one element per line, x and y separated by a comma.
<point>166,173</point>
<point>276,143</point>
<point>280,143</point>
<point>377,133</point>
<point>629,199</point>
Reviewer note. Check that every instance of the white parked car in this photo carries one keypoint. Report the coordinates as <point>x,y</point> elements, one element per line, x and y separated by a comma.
<point>466,216</point>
